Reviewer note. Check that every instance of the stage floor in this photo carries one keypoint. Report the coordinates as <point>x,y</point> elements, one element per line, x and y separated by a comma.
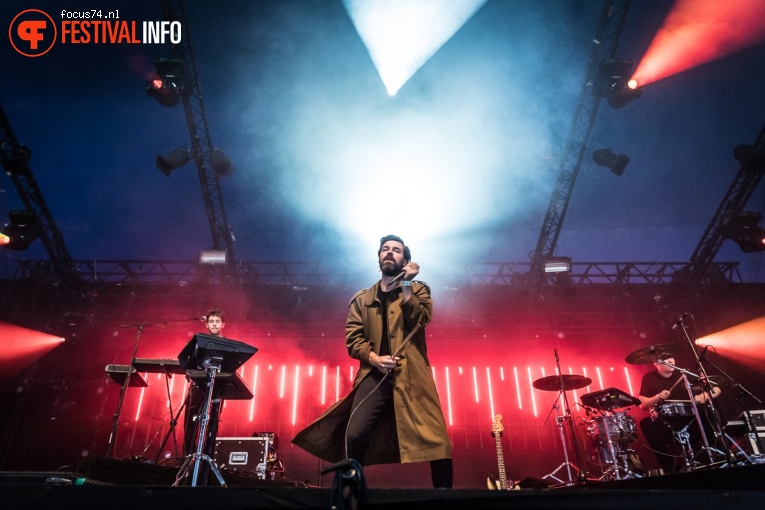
<point>118,485</point>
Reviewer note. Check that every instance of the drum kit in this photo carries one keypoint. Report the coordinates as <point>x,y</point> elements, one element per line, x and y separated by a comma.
<point>609,429</point>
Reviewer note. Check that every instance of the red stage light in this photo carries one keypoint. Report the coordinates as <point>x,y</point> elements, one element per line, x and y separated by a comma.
<point>22,346</point>
<point>742,343</point>
<point>699,31</point>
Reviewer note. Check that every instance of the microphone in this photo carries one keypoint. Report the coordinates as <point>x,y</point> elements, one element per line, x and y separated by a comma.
<point>703,353</point>
<point>679,321</point>
<point>397,278</point>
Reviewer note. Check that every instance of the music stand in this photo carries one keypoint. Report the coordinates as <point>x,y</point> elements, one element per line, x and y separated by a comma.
<point>214,355</point>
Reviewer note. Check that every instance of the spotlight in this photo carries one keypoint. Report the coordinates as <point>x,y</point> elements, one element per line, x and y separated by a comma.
<point>623,95</point>
<point>220,163</point>
<point>22,229</point>
<point>170,83</point>
<point>745,231</point>
<point>613,82</point>
<point>212,257</point>
<point>558,265</point>
<point>614,162</point>
<point>175,159</point>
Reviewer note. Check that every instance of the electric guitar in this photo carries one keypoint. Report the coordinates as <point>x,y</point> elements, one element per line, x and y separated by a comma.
<point>491,482</point>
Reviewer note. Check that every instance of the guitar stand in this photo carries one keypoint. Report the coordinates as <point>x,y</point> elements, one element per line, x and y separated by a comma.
<point>198,457</point>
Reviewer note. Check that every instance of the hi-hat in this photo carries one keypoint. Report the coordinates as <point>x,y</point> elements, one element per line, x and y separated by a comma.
<point>652,354</point>
<point>570,382</point>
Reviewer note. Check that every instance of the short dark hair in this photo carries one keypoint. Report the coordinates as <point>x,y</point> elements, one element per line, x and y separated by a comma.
<point>391,237</point>
<point>216,313</point>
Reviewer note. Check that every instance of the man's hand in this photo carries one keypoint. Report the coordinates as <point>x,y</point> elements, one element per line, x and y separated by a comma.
<point>384,364</point>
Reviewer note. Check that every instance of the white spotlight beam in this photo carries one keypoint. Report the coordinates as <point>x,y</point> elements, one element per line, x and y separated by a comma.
<point>401,35</point>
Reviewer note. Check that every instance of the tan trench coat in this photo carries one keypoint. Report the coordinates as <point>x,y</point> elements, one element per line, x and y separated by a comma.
<point>417,430</point>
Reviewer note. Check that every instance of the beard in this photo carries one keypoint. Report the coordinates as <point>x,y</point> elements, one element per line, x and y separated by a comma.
<point>391,268</point>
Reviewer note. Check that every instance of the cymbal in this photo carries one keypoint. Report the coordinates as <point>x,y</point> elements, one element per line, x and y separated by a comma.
<point>652,353</point>
<point>570,382</point>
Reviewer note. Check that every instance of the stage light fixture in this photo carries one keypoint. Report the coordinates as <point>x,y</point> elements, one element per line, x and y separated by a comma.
<point>558,265</point>
<point>212,257</point>
<point>745,231</point>
<point>175,159</point>
<point>614,162</point>
<point>169,84</point>
<point>613,82</point>
<point>220,164</point>
<point>22,229</point>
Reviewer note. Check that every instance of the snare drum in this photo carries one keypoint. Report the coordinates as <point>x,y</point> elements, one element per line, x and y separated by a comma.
<point>674,409</point>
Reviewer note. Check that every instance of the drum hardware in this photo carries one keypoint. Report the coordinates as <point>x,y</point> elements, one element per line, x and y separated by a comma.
<point>563,383</point>
<point>747,416</point>
<point>612,431</point>
<point>714,416</point>
<point>652,354</point>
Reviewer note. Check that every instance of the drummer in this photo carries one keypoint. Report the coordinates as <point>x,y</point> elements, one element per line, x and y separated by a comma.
<point>656,388</point>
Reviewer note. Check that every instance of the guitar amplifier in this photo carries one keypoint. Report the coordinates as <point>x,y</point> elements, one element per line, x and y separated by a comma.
<point>248,454</point>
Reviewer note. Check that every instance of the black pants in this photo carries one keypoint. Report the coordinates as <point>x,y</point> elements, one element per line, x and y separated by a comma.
<point>367,415</point>
<point>659,436</point>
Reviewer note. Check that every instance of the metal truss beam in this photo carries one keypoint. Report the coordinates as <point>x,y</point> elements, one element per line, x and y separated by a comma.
<point>298,274</point>
<point>740,191</point>
<point>15,159</point>
<point>604,45</point>
<point>201,143</point>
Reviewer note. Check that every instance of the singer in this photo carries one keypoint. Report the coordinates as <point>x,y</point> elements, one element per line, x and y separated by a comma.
<point>215,321</point>
<point>393,413</point>
<point>658,386</point>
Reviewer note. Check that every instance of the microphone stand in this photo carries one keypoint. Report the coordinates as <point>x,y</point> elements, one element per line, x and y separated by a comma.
<point>116,418</point>
<point>685,373</point>
<point>706,389</point>
<point>741,395</point>
<point>582,473</point>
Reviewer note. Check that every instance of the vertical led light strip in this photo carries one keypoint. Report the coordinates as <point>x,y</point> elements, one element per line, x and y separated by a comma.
<point>170,392</point>
<point>254,392</point>
<point>584,373</point>
<point>350,374</point>
<point>518,388</point>
<point>533,398</point>
<point>576,397</point>
<point>475,384</point>
<point>491,393</point>
<point>600,377</point>
<point>337,383</point>
<point>324,385</point>
<point>140,401</point>
<point>629,382</point>
<point>283,381</point>
<point>295,394</point>
<point>501,375</point>
<point>449,397</point>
